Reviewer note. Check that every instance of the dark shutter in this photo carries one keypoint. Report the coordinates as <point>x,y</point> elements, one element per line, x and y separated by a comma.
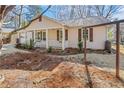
<point>41,35</point>
<point>66,34</point>
<point>91,34</point>
<point>57,35</point>
<point>33,35</point>
<point>40,18</point>
<point>79,34</point>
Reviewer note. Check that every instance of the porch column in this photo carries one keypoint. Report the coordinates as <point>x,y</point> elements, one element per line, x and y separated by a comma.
<point>63,38</point>
<point>34,35</point>
<point>47,39</point>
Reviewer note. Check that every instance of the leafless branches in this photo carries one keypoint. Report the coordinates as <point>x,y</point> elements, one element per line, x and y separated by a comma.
<point>33,19</point>
<point>82,11</point>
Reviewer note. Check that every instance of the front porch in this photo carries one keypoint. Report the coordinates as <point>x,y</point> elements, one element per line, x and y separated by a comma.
<point>45,38</point>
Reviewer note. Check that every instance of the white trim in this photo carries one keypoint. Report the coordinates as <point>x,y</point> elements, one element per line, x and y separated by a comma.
<point>63,38</point>
<point>47,39</point>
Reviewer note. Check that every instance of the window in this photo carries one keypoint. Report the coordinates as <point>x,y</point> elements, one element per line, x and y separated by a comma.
<point>59,35</point>
<point>85,34</point>
<point>41,35</point>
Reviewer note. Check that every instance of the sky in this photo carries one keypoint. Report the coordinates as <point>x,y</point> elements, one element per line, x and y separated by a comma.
<point>119,16</point>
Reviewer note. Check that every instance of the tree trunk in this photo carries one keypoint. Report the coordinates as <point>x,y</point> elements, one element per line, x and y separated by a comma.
<point>1,41</point>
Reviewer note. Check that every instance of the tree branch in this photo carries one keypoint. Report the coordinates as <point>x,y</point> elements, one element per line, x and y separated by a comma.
<point>32,20</point>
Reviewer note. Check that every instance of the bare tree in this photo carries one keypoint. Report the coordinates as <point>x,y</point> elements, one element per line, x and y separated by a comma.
<point>106,10</point>
<point>5,15</point>
<point>37,17</point>
<point>4,10</point>
<point>83,11</point>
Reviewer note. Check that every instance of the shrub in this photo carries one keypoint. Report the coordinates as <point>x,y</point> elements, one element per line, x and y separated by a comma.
<point>26,46</point>
<point>80,45</point>
<point>31,45</point>
<point>49,50</point>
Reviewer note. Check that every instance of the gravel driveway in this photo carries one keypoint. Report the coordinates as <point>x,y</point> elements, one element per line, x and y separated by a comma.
<point>8,49</point>
<point>101,60</point>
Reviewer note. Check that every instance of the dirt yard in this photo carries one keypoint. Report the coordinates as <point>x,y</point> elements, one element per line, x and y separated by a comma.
<point>41,70</point>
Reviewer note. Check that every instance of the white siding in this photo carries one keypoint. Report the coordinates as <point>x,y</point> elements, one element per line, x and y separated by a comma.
<point>99,38</point>
<point>73,37</point>
<point>44,24</point>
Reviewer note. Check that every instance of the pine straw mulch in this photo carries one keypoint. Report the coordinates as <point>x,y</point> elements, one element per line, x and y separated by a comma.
<point>52,72</point>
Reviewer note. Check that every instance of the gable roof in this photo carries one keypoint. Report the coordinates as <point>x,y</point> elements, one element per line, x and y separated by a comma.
<point>86,21</point>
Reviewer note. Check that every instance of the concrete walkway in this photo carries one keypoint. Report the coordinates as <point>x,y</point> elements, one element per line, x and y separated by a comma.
<point>9,49</point>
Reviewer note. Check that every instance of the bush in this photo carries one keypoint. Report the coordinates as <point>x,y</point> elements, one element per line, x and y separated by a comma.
<point>49,50</point>
<point>27,45</point>
<point>31,45</point>
<point>80,45</point>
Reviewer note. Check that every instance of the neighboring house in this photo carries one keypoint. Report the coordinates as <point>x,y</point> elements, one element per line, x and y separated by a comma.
<point>57,34</point>
<point>113,31</point>
<point>121,33</point>
<point>5,34</point>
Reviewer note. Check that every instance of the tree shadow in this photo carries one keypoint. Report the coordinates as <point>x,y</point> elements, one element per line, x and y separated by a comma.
<point>90,84</point>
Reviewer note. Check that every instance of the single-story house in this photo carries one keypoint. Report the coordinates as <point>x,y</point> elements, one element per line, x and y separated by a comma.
<point>48,32</point>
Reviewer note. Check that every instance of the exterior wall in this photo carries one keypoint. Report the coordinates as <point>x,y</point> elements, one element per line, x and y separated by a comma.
<point>52,38</point>
<point>73,37</point>
<point>99,34</point>
<point>44,24</point>
<point>99,38</point>
<point>25,37</point>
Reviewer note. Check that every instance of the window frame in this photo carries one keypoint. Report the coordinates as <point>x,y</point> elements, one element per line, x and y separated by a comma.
<point>39,35</point>
<point>87,34</point>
